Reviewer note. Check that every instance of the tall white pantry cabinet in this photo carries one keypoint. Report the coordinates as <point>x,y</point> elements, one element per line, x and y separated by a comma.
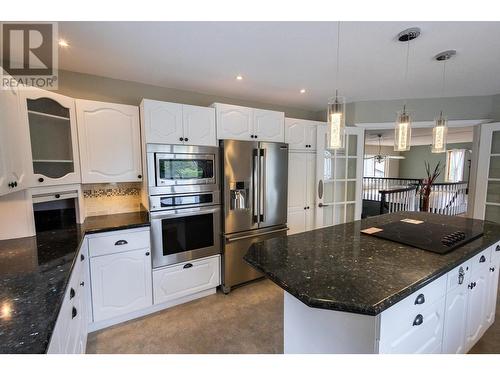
<point>301,137</point>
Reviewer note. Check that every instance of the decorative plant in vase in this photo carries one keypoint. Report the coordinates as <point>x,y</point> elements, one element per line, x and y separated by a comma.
<point>426,187</point>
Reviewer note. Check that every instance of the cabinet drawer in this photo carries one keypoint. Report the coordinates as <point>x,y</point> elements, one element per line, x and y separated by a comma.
<point>414,304</point>
<point>481,260</point>
<point>186,278</point>
<point>118,242</point>
<point>495,253</point>
<point>418,334</point>
<point>459,275</point>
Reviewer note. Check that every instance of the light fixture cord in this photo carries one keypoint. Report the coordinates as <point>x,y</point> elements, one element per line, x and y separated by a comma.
<point>443,85</point>
<point>406,72</point>
<point>338,60</point>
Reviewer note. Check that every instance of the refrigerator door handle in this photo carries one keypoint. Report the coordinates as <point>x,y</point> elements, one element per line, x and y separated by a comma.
<point>232,239</point>
<point>255,186</point>
<point>262,185</point>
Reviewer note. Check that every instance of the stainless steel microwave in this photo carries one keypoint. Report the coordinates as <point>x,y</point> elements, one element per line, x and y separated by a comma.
<point>182,169</point>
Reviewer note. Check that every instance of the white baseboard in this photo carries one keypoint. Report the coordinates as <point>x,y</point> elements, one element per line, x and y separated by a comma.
<point>96,326</point>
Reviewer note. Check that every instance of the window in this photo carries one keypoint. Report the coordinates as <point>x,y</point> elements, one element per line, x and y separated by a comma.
<point>373,168</point>
<point>455,160</point>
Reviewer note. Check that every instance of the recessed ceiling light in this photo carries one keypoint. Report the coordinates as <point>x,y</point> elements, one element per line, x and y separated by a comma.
<point>239,77</point>
<point>63,43</point>
<point>302,91</point>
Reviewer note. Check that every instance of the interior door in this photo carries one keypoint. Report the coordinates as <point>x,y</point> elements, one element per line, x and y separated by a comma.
<point>273,181</point>
<point>339,175</point>
<point>487,195</point>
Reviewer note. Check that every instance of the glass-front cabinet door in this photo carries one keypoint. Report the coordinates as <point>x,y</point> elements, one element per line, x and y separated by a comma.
<point>487,184</point>
<point>339,178</point>
<point>53,136</point>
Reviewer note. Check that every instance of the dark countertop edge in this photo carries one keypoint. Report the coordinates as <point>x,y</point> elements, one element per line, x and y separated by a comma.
<point>86,232</point>
<point>77,250</point>
<point>380,306</point>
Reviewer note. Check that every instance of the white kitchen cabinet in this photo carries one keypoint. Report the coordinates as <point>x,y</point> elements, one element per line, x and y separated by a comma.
<point>476,310</point>
<point>51,121</point>
<point>416,334</point>
<point>70,332</point>
<point>181,124</point>
<point>301,180</point>
<point>243,123</point>
<point>121,283</point>
<point>492,291</point>
<point>187,278</point>
<point>269,125</point>
<point>301,134</point>
<point>162,122</point>
<point>199,125</point>
<point>455,323</point>
<point>109,142</point>
<point>14,144</point>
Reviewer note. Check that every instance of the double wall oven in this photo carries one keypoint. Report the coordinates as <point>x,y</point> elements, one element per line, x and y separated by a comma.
<point>184,200</point>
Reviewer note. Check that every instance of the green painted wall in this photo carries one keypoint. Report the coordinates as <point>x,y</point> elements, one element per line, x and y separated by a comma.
<point>413,166</point>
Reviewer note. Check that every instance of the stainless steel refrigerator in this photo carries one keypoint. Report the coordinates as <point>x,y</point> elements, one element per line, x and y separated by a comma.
<point>255,202</point>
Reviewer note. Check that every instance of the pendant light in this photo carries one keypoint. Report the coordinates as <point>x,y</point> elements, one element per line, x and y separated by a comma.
<point>402,129</point>
<point>336,110</point>
<point>440,130</point>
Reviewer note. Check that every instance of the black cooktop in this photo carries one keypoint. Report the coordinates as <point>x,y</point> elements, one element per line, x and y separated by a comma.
<point>430,236</point>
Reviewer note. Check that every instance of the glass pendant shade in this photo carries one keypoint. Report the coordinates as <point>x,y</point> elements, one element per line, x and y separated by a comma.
<point>439,133</point>
<point>336,123</point>
<point>402,132</point>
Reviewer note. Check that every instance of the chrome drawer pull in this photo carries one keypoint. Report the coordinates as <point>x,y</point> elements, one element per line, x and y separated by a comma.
<point>121,242</point>
<point>461,276</point>
<point>420,299</point>
<point>419,319</point>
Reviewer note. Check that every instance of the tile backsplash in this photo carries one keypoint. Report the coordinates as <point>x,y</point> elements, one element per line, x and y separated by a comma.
<point>106,199</point>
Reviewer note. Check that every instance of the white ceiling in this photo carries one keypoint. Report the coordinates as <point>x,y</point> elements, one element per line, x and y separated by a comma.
<point>277,59</point>
<point>419,136</point>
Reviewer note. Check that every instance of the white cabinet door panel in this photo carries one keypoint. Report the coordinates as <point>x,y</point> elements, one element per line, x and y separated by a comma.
<point>162,122</point>
<point>295,134</point>
<point>234,122</point>
<point>491,299</point>
<point>199,125</point>
<point>417,334</point>
<point>186,278</point>
<point>297,192</point>
<point>455,320</point>
<point>269,125</point>
<point>109,138</point>
<point>121,283</point>
<point>476,311</point>
<point>301,134</point>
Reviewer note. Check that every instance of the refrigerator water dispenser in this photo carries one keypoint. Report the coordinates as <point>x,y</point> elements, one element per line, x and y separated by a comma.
<point>238,196</point>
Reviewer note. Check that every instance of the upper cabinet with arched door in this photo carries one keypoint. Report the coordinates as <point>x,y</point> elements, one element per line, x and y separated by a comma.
<point>53,137</point>
<point>110,142</point>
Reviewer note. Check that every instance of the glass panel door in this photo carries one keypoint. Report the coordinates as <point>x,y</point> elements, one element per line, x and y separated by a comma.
<point>339,178</point>
<point>487,184</point>
<point>492,209</point>
<point>50,134</point>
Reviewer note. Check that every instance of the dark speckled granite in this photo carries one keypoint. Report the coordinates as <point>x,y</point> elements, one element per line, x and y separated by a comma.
<point>34,272</point>
<point>339,268</point>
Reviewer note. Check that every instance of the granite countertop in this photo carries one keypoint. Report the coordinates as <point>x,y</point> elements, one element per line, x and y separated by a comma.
<point>34,272</point>
<point>339,268</point>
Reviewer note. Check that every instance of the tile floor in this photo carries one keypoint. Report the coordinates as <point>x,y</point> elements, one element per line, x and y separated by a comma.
<point>248,320</point>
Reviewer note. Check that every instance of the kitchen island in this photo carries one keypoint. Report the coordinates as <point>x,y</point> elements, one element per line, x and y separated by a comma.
<point>348,292</point>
